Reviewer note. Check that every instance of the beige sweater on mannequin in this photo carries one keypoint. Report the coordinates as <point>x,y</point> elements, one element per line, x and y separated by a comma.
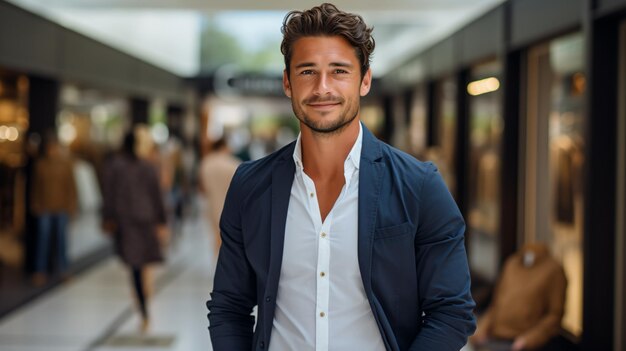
<point>528,301</point>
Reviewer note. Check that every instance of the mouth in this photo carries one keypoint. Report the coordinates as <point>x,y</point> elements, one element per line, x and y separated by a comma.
<point>324,105</point>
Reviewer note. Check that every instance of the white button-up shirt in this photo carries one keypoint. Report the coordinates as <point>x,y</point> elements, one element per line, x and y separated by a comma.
<point>321,304</point>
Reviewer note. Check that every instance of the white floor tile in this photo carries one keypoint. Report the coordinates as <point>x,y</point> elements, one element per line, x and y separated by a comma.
<point>73,316</point>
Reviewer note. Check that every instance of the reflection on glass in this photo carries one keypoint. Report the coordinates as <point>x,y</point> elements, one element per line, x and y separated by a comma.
<point>91,124</point>
<point>484,175</point>
<point>443,154</point>
<point>554,194</point>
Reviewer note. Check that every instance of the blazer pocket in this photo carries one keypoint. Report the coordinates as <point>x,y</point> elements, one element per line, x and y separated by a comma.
<point>393,231</point>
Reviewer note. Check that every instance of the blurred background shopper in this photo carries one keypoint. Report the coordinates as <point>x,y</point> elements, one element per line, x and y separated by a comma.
<point>134,214</point>
<point>216,171</point>
<point>53,200</point>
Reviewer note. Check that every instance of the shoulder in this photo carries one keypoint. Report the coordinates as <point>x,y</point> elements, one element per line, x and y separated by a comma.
<point>406,165</point>
<point>250,174</point>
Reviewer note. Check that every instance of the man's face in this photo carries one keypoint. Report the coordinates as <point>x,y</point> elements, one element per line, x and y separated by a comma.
<point>325,83</point>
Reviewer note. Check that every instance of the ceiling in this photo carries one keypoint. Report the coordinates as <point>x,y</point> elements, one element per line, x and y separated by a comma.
<point>167,32</point>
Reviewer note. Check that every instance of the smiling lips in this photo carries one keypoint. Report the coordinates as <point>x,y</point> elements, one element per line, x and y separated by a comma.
<point>323,104</point>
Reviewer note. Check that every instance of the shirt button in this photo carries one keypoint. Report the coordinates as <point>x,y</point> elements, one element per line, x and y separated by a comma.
<point>322,314</point>
<point>312,194</point>
<point>323,235</point>
<point>262,344</point>
<point>322,274</point>
<point>267,299</point>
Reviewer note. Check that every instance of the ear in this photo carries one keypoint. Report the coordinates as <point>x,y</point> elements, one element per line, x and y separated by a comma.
<point>286,84</point>
<point>366,82</point>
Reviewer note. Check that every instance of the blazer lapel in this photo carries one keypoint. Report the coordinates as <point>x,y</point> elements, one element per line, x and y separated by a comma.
<point>282,179</point>
<point>370,178</point>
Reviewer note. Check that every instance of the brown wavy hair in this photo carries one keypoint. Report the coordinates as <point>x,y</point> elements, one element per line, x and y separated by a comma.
<point>327,20</point>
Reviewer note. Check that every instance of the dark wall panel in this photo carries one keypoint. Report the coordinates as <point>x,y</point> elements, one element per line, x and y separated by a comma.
<point>155,79</point>
<point>608,5</point>
<point>27,43</point>
<point>482,38</point>
<point>84,59</point>
<point>443,59</point>
<point>600,186</point>
<point>533,20</point>
<point>43,94</point>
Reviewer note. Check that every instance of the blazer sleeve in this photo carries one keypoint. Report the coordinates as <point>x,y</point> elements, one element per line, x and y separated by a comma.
<point>442,270</point>
<point>234,289</point>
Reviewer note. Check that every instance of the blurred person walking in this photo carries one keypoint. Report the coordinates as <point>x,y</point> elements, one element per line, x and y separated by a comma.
<point>53,201</point>
<point>216,171</point>
<point>134,214</point>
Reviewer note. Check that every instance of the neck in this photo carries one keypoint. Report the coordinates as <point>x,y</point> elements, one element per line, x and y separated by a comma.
<point>324,155</point>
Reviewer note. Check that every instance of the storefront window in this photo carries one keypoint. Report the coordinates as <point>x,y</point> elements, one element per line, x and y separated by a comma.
<point>90,124</point>
<point>13,126</point>
<point>555,145</point>
<point>486,127</point>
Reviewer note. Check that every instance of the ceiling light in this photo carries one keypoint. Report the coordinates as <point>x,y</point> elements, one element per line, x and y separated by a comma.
<point>483,86</point>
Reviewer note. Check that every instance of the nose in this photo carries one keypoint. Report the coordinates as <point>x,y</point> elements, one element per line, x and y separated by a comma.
<point>322,84</point>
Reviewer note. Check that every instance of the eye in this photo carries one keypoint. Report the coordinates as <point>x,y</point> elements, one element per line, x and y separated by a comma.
<point>306,72</point>
<point>340,71</point>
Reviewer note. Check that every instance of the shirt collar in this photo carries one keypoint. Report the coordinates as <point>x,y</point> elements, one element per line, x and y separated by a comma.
<point>354,156</point>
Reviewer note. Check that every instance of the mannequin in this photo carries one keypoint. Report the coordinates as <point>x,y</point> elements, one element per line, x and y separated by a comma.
<point>528,302</point>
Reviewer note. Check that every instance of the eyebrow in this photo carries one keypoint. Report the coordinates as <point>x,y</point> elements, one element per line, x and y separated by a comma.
<point>332,64</point>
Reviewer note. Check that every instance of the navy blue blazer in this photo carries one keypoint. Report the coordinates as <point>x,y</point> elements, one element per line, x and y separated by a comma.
<point>411,252</point>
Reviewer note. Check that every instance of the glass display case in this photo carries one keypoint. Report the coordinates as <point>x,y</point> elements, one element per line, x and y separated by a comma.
<point>554,149</point>
<point>485,139</point>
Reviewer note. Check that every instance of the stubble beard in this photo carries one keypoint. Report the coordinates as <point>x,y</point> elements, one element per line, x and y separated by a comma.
<point>330,128</point>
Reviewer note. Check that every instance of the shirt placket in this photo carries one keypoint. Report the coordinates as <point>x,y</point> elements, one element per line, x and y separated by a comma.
<point>322,229</point>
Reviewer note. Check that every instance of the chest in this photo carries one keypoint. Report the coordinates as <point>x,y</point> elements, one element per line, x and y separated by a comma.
<point>313,240</point>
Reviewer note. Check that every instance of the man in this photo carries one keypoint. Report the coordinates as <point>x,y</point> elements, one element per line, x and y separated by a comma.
<point>341,241</point>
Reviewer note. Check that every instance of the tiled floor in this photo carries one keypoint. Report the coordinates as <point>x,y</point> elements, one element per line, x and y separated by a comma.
<point>87,312</point>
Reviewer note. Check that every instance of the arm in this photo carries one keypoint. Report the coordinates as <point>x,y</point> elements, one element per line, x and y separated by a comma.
<point>35,193</point>
<point>202,186</point>
<point>483,331</point>
<point>108,188</point>
<point>234,287</point>
<point>72,191</point>
<point>486,321</point>
<point>442,270</point>
<point>157,196</point>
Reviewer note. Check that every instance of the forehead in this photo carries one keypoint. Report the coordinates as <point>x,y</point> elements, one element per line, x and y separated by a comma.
<point>323,49</point>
